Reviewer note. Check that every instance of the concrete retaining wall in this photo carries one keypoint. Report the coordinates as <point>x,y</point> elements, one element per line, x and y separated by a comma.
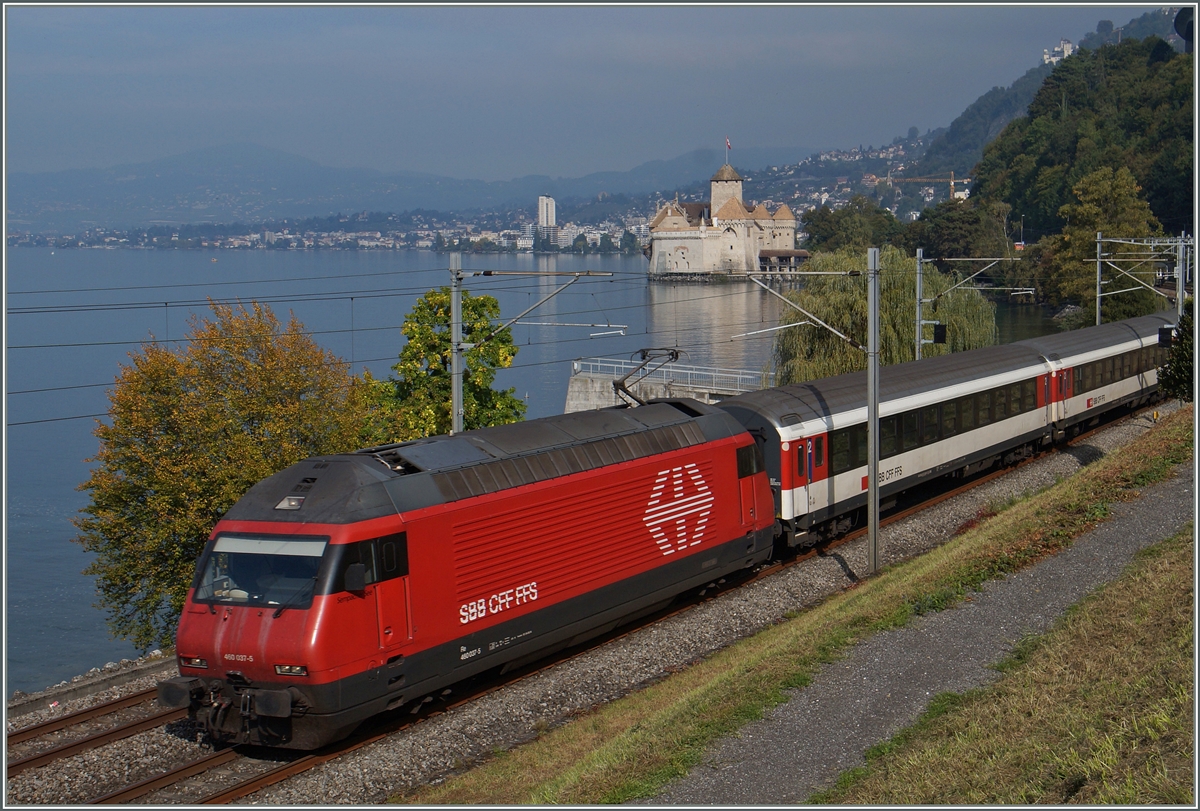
<point>585,392</point>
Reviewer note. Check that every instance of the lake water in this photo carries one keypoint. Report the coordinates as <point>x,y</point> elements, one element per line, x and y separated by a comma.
<point>74,316</point>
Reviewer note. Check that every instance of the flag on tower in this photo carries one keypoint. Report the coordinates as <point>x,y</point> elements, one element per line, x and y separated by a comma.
<point>727,146</point>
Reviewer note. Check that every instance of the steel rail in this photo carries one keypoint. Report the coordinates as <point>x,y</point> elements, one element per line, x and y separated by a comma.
<point>165,779</point>
<point>79,717</point>
<point>92,741</point>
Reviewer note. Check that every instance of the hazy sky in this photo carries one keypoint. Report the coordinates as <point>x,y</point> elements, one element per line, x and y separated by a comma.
<point>499,92</point>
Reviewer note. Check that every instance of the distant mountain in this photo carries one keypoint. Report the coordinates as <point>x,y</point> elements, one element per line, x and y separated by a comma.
<point>960,147</point>
<point>248,182</point>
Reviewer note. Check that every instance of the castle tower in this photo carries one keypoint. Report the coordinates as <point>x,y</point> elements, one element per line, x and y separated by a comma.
<point>726,185</point>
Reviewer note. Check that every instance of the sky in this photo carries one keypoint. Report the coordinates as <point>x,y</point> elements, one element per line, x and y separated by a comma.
<point>498,92</point>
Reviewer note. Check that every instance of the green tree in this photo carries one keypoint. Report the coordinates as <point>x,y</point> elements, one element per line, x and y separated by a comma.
<point>809,352</point>
<point>190,431</point>
<point>960,228</point>
<point>1175,379</point>
<point>1106,202</point>
<point>857,225</point>
<point>606,244</point>
<point>629,243</point>
<point>580,244</point>
<point>416,402</point>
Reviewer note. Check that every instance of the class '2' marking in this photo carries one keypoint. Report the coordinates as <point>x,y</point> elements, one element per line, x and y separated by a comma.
<point>679,507</point>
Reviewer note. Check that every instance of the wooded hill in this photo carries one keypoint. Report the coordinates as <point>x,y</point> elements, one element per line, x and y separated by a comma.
<point>1125,105</point>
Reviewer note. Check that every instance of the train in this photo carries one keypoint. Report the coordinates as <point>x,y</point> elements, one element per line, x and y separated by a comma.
<point>351,584</point>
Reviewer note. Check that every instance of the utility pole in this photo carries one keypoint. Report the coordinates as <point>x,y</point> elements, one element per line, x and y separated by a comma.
<point>1098,278</point>
<point>457,347</point>
<point>920,323</point>
<point>873,408</point>
<point>1180,273</point>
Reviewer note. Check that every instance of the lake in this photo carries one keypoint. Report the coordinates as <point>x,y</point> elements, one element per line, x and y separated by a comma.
<point>75,315</point>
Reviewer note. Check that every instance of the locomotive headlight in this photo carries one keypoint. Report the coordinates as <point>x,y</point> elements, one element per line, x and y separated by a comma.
<point>291,670</point>
<point>193,661</point>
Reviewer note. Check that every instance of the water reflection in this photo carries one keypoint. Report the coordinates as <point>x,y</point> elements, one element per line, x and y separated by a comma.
<point>703,318</point>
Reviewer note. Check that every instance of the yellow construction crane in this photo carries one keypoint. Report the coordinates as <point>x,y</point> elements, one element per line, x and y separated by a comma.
<point>950,180</point>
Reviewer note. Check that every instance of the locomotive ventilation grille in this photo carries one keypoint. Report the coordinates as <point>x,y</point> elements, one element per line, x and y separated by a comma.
<point>491,477</point>
<point>592,535</point>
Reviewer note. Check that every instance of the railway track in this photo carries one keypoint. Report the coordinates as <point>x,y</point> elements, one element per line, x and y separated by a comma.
<point>251,774</point>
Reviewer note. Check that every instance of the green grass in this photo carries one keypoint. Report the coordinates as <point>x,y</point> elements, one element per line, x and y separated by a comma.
<point>1097,711</point>
<point>632,747</point>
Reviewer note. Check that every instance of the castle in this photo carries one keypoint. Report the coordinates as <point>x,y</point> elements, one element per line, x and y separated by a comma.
<point>721,236</point>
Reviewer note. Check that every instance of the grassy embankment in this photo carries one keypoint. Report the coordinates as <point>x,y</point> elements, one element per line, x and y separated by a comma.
<point>632,747</point>
<point>1097,711</point>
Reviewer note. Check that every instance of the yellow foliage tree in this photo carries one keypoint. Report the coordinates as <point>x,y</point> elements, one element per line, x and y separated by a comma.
<point>191,430</point>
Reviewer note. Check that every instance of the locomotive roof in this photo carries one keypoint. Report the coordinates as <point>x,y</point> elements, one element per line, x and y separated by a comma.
<point>817,399</point>
<point>389,479</point>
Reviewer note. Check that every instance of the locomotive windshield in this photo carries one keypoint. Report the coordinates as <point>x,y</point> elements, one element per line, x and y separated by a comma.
<point>278,572</point>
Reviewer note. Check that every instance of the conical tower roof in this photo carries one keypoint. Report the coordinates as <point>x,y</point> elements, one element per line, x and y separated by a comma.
<point>726,172</point>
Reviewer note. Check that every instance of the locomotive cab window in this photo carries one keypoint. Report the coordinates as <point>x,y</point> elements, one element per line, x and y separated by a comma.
<point>260,571</point>
<point>393,555</point>
<point>750,461</point>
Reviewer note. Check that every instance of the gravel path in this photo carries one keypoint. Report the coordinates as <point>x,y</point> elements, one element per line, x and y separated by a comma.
<point>431,750</point>
<point>886,682</point>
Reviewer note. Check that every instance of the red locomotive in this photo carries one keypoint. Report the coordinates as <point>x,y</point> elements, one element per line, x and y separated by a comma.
<point>350,584</point>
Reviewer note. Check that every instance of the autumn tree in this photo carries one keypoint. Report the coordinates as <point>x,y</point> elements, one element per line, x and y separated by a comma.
<point>1106,202</point>
<point>189,431</point>
<point>809,352</point>
<point>416,402</point>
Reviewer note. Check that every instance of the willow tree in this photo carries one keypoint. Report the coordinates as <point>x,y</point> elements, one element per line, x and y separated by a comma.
<point>189,432</point>
<point>810,351</point>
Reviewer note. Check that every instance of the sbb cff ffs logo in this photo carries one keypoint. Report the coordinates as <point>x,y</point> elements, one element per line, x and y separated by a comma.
<point>501,601</point>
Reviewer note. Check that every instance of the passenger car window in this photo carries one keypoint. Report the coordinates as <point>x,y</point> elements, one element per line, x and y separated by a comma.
<point>839,451</point>
<point>887,437</point>
<point>966,413</point>
<point>909,435</point>
<point>983,407</point>
<point>949,419</point>
<point>929,425</point>
<point>999,404</point>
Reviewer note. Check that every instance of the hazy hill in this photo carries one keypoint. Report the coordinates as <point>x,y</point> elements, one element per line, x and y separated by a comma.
<point>960,147</point>
<point>248,182</point>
